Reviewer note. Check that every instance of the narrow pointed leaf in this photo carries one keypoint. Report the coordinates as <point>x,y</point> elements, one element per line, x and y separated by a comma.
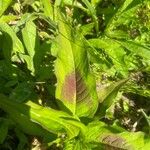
<point>31,42</point>
<point>20,115</point>
<point>33,118</point>
<point>3,129</point>
<point>107,96</point>
<point>75,85</point>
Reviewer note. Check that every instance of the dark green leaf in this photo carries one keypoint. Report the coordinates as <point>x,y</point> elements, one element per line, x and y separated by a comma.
<point>3,129</point>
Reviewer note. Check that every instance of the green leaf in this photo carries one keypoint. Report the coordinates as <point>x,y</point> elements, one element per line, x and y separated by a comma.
<point>30,38</point>
<point>122,16</point>
<point>92,12</point>
<point>3,129</point>
<point>4,5</point>
<point>107,96</point>
<point>113,50</point>
<point>111,138</point>
<point>27,2</point>
<point>136,48</point>
<point>48,9</point>
<point>31,42</point>
<point>87,29</point>
<point>22,92</point>
<point>29,62</point>
<point>33,119</point>
<point>11,43</point>
<point>95,2</point>
<point>76,88</point>
<point>7,18</point>
<point>19,113</point>
<point>22,139</point>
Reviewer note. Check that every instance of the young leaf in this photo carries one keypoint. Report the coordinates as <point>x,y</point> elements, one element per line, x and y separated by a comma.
<point>76,88</point>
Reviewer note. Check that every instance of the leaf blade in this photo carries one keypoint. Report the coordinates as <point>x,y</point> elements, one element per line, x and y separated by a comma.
<point>76,87</point>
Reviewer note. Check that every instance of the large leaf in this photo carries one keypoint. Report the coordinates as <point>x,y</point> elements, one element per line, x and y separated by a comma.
<point>110,137</point>
<point>22,118</point>
<point>33,119</point>
<point>75,85</point>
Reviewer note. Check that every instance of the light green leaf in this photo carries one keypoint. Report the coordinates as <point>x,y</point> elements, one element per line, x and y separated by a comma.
<point>136,48</point>
<point>87,29</point>
<point>125,5</point>
<point>111,138</point>
<point>27,2</point>
<point>122,15</point>
<point>7,18</point>
<point>4,5</point>
<point>113,50</point>
<point>48,9</point>
<point>30,38</point>
<point>32,118</point>
<point>92,12</point>
<point>76,144</point>
<point>95,2</point>
<point>31,42</point>
<point>107,96</point>
<point>76,88</point>
<point>19,113</point>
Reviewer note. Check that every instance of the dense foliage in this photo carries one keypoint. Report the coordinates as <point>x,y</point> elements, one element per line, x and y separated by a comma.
<point>74,75</point>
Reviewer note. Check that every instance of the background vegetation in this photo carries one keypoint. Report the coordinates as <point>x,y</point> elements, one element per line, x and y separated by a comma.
<point>74,75</point>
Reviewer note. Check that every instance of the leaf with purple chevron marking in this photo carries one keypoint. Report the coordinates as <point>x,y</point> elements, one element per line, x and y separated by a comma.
<point>76,87</point>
